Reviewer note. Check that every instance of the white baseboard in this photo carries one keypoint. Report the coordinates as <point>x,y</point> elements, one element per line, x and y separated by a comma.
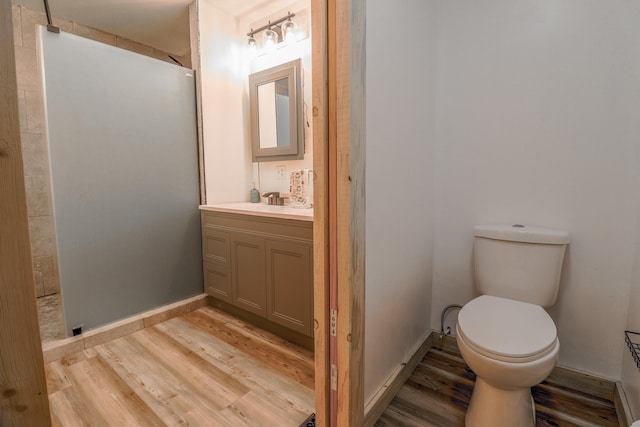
<point>622,406</point>
<point>383,397</point>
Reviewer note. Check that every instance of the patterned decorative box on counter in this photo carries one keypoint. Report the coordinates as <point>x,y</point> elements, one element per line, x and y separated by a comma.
<point>301,187</point>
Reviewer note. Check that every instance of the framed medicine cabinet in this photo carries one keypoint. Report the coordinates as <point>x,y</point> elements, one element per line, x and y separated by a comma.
<point>275,96</point>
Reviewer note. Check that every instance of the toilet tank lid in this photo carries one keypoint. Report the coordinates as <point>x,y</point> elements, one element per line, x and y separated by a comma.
<point>522,233</point>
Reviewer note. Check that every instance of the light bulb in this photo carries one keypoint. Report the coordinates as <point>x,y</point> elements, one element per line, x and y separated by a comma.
<point>269,40</point>
<point>289,32</point>
<point>252,46</point>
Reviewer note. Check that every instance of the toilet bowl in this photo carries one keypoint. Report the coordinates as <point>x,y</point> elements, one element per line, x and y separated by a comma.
<point>505,335</point>
<point>511,346</point>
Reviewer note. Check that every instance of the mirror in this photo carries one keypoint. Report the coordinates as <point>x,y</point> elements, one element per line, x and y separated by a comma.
<point>273,114</point>
<point>277,131</point>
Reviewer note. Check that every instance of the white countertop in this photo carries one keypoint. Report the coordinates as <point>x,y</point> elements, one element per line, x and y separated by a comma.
<point>261,209</point>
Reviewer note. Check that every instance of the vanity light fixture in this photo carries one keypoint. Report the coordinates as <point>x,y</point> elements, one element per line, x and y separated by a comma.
<point>270,38</point>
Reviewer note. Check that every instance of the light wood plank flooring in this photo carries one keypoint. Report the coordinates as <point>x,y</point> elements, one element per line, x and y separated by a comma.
<point>438,392</point>
<point>204,368</point>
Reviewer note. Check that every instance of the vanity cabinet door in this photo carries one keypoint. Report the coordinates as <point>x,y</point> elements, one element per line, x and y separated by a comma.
<point>248,273</point>
<point>289,287</point>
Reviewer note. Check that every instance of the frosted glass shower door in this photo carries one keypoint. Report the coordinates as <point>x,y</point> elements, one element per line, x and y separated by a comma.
<point>124,166</point>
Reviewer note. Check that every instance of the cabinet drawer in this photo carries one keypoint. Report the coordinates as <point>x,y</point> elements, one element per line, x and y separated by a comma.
<point>216,247</point>
<point>217,282</point>
<point>266,226</point>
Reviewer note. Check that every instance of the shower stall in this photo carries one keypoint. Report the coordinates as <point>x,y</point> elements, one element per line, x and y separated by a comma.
<point>122,143</point>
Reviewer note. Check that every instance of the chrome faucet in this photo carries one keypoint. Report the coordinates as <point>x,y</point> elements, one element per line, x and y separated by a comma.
<point>274,198</point>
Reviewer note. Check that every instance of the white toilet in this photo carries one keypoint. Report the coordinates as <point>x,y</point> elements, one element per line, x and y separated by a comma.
<point>505,335</point>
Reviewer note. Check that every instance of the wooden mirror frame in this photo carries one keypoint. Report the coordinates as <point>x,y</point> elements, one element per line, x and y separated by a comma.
<point>291,71</point>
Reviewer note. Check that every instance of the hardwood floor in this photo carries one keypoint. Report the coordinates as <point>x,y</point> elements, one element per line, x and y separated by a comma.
<point>438,392</point>
<point>204,368</point>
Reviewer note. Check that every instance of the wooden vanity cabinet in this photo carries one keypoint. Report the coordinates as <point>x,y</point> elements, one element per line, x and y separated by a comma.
<point>261,265</point>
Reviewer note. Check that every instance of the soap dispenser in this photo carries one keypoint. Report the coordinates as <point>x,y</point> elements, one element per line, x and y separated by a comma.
<point>255,194</point>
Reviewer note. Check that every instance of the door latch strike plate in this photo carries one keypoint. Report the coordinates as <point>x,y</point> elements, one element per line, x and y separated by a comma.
<point>334,321</point>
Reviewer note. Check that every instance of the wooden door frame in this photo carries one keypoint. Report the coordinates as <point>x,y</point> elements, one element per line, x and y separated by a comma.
<point>23,387</point>
<point>320,210</point>
<point>338,57</point>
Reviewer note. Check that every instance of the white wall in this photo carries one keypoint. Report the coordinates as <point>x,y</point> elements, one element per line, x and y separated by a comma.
<point>227,152</point>
<point>226,65</point>
<point>400,132</point>
<point>538,106</point>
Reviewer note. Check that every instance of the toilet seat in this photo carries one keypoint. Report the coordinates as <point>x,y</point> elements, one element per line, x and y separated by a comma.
<point>507,330</point>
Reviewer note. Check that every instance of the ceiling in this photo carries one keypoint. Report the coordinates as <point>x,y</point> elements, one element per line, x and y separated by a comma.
<point>163,24</point>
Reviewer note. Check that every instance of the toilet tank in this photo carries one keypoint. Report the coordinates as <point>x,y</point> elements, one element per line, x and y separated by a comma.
<point>519,262</point>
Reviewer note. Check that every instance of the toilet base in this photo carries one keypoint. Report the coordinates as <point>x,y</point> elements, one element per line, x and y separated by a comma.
<point>492,406</point>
